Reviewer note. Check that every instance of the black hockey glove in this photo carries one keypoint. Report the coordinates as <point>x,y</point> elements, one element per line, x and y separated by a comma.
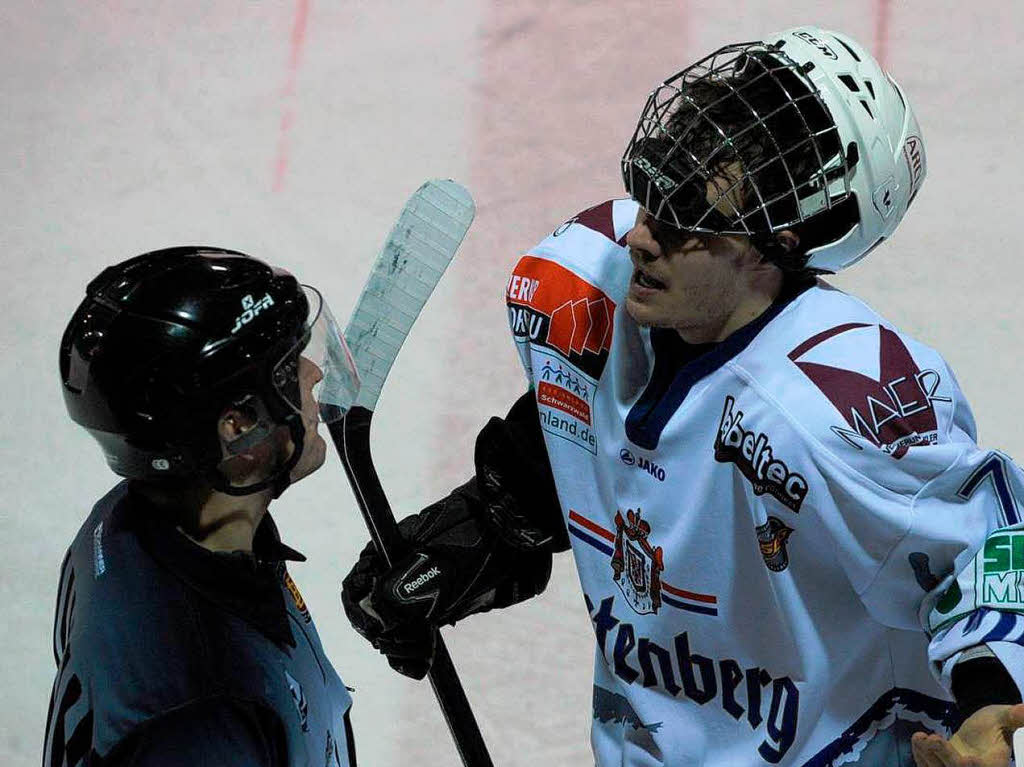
<point>486,545</point>
<point>458,565</point>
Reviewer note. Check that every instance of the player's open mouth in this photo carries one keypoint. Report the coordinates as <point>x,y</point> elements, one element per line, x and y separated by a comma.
<point>646,281</point>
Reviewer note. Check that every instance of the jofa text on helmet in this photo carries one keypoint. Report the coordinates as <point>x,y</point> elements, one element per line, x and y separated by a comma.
<point>251,308</point>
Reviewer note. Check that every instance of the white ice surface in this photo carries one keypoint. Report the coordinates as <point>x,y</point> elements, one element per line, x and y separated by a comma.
<point>136,125</point>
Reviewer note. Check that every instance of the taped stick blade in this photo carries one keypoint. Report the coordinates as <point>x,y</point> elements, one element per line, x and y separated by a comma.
<point>419,248</point>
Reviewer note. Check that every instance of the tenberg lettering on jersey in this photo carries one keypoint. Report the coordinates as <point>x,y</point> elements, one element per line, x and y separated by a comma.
<point>552,307</point>
<point>892,412</point>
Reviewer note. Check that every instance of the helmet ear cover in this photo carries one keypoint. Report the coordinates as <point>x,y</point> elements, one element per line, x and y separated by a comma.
<point>826,227</point>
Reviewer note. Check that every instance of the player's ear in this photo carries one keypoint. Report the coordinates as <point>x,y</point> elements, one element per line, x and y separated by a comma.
<point>235,422</point>
<point>788,239</point>
<point>249,443</point>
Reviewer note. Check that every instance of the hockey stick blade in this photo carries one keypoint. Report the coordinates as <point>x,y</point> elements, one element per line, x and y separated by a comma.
<point>422,243</point>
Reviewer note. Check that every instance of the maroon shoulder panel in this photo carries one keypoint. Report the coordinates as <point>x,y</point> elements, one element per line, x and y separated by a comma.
<point>600,219</point>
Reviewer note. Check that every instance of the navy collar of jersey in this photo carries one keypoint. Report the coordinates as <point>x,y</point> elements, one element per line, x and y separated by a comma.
<point>679,365</point>
<point>243,584</point>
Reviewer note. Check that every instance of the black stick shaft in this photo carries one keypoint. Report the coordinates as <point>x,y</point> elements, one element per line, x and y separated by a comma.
<point>351,436</point>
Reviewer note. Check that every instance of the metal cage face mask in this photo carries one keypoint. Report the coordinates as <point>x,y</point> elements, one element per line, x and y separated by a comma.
<point>740,142</point>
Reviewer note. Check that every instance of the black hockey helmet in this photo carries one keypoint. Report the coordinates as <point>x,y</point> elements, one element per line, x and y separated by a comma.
<point>165,342</point>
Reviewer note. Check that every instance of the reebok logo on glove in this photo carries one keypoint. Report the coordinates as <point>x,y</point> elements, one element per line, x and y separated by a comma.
<point>410,587</point>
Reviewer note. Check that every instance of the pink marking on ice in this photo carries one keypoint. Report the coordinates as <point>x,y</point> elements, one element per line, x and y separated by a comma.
<point>883,10</point>
<point>298,40</point>
<point>558,95</point>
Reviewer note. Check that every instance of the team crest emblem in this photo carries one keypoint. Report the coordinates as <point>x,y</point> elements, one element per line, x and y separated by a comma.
<point>636,563</point>
<point>771,538</point>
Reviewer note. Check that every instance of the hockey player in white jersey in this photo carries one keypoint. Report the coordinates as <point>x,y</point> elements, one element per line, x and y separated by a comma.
<point>792,549</point>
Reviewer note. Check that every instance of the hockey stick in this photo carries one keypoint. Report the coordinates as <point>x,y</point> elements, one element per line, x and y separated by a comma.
<point>415,255</point>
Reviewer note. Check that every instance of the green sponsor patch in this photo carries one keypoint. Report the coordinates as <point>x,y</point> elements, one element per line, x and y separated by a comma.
<point>1002,571</point>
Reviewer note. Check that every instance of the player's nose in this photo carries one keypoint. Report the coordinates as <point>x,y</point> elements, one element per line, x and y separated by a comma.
<point>641,242</point>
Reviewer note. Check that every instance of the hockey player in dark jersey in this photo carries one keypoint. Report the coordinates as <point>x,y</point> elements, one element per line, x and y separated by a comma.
<point>792,549</point>
<point>179,636</point>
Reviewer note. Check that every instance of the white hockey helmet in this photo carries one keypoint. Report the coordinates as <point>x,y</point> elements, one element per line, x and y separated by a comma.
<point>871,110</point>
<point>802,130</point>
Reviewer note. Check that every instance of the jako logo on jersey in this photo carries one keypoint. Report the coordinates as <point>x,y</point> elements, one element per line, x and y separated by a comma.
<point>251,308</point>
<point>642,463</point>
<point>893,413</point>
<point>641,561</point>
<point>753,456</point>
<point>771,538</point>
<point>549,306</point>
<point>413,585</point>
<point>746,694</point>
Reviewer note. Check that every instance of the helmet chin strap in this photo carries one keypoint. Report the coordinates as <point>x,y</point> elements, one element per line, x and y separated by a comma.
<point>280,479</point>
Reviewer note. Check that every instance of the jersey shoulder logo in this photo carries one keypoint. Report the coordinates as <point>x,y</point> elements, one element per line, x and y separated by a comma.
<point>552,307</point>
<point>636,563</point>
<point>296,595</point>
<point>563,327</point>
<point>891,409</point>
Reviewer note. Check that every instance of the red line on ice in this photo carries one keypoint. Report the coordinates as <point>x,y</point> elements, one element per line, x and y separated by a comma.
<point>882,13</point>
<point>298,40</point>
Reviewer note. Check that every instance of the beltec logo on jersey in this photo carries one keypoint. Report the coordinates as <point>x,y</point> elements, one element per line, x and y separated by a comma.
<point>250,310</point>
<point>752,454</point>
<point>892,412</point>
<point>644,464</point>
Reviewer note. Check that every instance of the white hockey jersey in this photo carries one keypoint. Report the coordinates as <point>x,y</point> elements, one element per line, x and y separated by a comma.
<point>767,535</point>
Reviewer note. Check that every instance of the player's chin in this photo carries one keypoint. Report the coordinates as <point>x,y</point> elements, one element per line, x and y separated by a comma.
<point>644,312</point>
<point>314,454</point>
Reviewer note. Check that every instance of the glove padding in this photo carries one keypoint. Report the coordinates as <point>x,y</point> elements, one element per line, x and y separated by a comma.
<point>408,647</point>
<point>457,566</point>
